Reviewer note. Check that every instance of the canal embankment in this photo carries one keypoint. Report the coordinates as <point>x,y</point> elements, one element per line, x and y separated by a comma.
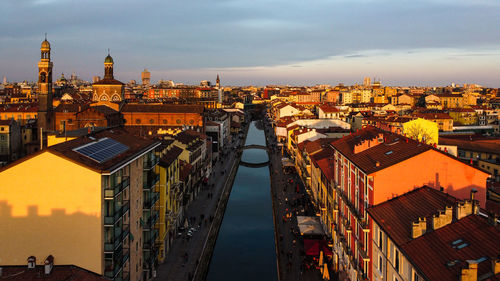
<point>245,248</point>
<point>203,265</point>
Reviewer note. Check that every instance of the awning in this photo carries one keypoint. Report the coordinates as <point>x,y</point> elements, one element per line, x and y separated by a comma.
<point>313,247</point>
<point>310,226</point>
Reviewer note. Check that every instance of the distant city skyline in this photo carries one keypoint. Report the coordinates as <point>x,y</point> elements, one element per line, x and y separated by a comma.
<point>402,42</point>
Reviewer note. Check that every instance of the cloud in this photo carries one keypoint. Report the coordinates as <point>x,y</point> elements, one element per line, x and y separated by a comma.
<point>199,34</point>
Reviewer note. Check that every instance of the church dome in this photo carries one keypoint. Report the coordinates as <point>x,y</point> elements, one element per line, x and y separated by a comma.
<point>108,59</point>
<point>45,44</point>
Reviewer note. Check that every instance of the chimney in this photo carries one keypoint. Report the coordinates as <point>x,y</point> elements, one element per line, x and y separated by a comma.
<point>49,264</point>
<point>442,218</point>
<point>31,262</point>
<point>464,209</point>
<point>492,219</point>
<point>470,273</point>
<point>495,268</point>
<point>472,197</point>
<point>418,228</point>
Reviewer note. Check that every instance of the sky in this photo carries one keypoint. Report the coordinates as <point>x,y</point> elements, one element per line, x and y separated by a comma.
<point>258,42</point>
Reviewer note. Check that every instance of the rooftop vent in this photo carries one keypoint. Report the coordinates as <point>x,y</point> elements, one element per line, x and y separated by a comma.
<point>48,264</point>
<point>31,262</point>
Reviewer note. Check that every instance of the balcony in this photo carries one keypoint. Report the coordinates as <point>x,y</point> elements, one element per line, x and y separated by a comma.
<point>112,191</point>
<point>150,181</point>
<point>150,221</point>
<point>112,219</point>
<point>118,263</point>
<point>149,201</point>
<point>151,163</point>
<point>150,241</point>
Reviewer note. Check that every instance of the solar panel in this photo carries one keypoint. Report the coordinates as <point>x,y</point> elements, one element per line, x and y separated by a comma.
<point>102,150</point>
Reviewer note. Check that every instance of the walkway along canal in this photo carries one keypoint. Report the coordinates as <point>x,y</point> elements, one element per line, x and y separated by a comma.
<point>245,247</point>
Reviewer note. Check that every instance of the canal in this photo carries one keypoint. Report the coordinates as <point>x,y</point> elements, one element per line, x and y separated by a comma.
<point>245,248</point>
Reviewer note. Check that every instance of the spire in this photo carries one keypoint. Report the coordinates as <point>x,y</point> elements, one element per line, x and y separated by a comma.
<point>45,36</point>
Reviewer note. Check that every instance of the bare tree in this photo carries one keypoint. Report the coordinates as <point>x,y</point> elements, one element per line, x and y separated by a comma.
<point>419,132</point>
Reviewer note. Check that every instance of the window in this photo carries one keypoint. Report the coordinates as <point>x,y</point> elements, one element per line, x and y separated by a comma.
<point>151,121</point>
<point>380,240</point>
<point>380,263</point>
<point>396,260</point>
<point>138,121</point>
<point>415,277</point>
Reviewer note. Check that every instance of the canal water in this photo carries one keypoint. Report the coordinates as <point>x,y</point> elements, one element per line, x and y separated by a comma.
<point>245,247</point>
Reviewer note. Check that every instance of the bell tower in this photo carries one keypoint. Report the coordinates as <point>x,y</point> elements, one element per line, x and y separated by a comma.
<point>45,88</point>
<point>108,67</point>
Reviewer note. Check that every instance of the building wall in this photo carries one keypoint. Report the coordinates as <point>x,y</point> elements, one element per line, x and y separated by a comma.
<point>434,169</point>
<point>53,207</point>
<point>107,92</point>
<point>136,203</point>
<point>162,119</point>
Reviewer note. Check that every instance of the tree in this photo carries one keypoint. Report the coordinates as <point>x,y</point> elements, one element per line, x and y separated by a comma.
<point>421,130</point>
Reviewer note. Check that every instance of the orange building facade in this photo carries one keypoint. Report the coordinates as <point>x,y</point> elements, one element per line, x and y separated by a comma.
<point>372,166</point>
<point>163,115</point>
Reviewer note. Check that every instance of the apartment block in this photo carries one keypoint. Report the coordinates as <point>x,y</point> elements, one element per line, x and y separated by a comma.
<point>88,202</point>
<point>427,234</point>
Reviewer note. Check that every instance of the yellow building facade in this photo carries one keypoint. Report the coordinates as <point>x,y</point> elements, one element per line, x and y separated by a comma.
<point>92,213</point>
<point>52,206</point>
<point>170,197</point>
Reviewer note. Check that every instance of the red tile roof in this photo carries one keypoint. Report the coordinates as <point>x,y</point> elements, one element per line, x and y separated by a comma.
<point>59,273</point>
<point>108,81</point>
<point>488,146</point>
<point>402,148</point>
<point>436,259</point>
<point>170,156</point>
<point>396,215</point>
<point>163,108</point>
<point>433,253</point>
<point>328,109</point>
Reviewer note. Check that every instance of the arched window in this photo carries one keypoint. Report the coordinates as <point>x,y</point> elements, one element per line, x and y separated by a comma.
<point>43,77</point>
<point>115,97</point>
<point>104,97</point>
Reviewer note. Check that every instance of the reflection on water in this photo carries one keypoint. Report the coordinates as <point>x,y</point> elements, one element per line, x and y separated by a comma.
<point>245,246</point>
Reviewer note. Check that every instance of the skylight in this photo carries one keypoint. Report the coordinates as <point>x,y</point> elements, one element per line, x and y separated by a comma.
<point>389,152</point>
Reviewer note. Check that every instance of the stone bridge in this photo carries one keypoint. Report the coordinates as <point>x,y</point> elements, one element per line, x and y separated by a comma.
<point>254,165</point>
<point>255,146</point>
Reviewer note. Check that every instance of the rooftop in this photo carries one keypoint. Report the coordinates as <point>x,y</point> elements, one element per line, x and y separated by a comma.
<point>135,146</point>
<point>58,273</point>
<point>163,108</point>
<point>383,152</point>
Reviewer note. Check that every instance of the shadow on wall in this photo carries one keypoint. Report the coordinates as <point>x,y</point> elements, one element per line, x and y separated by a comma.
<point>71,239</point>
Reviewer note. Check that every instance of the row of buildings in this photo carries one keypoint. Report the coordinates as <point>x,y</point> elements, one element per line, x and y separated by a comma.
<point>399,197</point>
<point>95,185</point>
